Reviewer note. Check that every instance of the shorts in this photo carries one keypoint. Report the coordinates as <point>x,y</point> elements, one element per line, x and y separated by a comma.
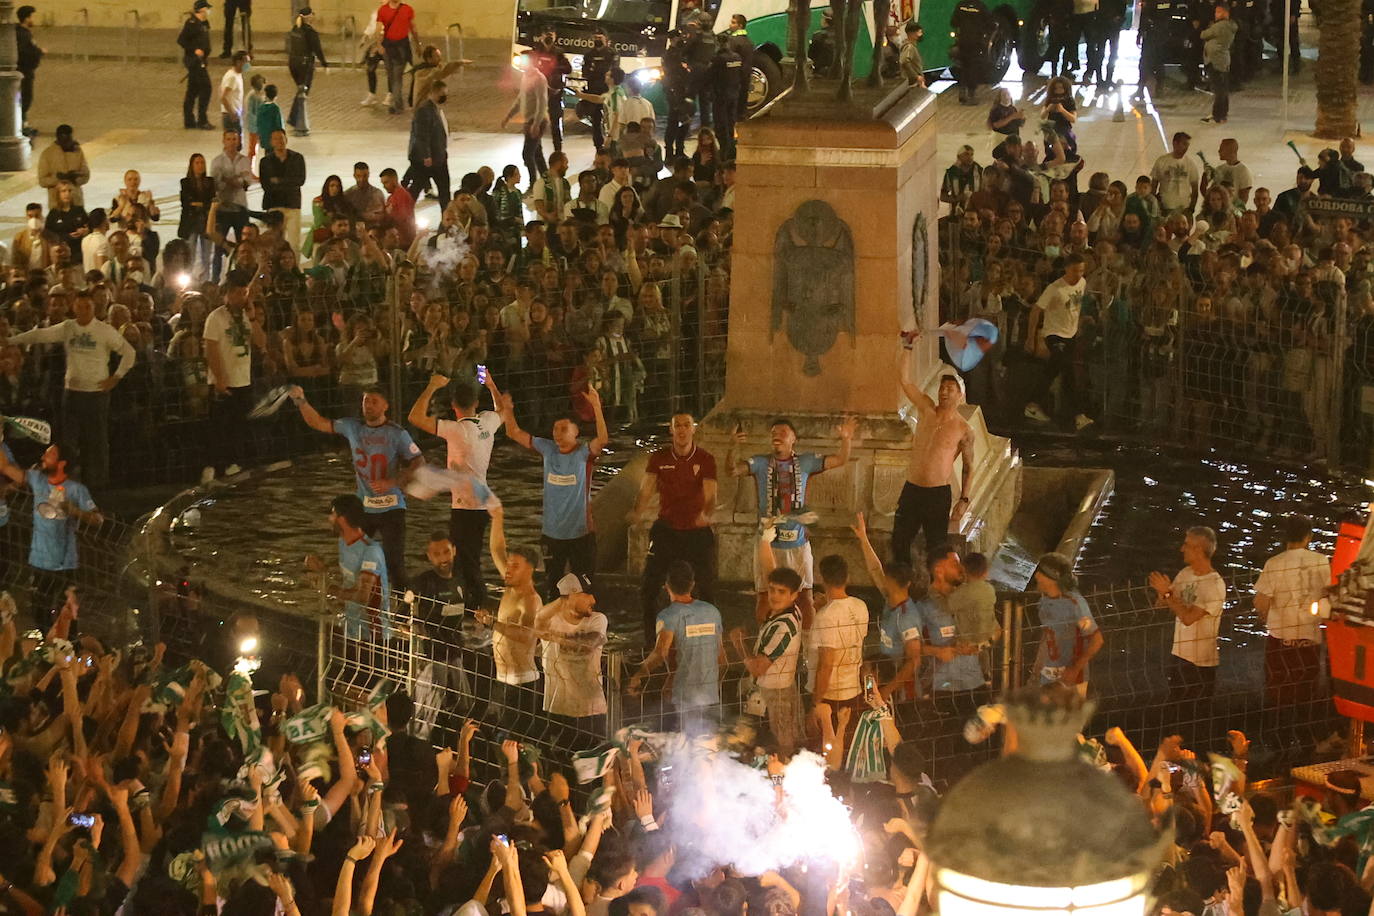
<point>798,558</point>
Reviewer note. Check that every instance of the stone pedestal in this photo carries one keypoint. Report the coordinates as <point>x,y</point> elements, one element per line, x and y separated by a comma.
<point>14,146</point>
<point>798,348</point>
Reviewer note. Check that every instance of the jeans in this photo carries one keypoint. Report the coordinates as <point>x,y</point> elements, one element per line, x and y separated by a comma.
<point>695,546</point>
<point>467,528</point>
<point>397,56</point>
<point>230,121</point>
<point>86,431</point>
<point>923,509</point>
<point>561,556</point>
<point>197,99</point>
<point>230,433</point>
<point>389,527</point>
<point>372,61</point>
<point>533,153</point>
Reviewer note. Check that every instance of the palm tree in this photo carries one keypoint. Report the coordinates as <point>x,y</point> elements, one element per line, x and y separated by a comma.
<point>1338,59</point>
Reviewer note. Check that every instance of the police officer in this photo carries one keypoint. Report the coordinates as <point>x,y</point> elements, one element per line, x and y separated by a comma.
<point>744,47</point>
<point>677,90</point>
<point>1154,38</point>
<point>596,63</point>
<point>823,51</point>
<point>970,22</point>
<point>727,77</point>
<point>195,52</point>
<point>1248,51</point>
<point>700,54</point>
<point>1111,16</point>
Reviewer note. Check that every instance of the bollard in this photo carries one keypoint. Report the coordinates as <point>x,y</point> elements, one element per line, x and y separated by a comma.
<point>448,50</point>
<point>615,711</point>
<point>138,35</point>
<point>1120,114</point>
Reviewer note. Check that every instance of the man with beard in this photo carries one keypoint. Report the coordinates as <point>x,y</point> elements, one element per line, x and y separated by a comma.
<point>513,635</point>
<point>363,586</point>
<point>573,632</point>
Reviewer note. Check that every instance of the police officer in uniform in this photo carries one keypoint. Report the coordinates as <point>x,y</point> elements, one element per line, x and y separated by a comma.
<point>596,63</point>
<point>1111,16</point>
<point>823,51</point>
<point>677,90</point>
<point>700,55</point>
<point>1155,38</point>
<point>1248,51</point>
<point>970,24</point>
<point>195,53</point>
<point>727,76</point>
<point>744,47</point>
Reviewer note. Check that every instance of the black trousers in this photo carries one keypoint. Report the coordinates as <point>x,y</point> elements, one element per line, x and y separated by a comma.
<point>1221,94</point>
<point>924,510</point>
<point>696,546</point>
<point>372,61</point>
<point>390,528</point>
<point>197,99</point>
<point>230,433</point>
<point>303,72</point>
<point>419,175</point>
<point>562,556</point>
<point>467,528</point>
<point>596,114</point>
<point>1188,681</point>
<point>556,118</point>
<point>1059,364</point>
<point>86,431</point>
<point>727,113</point>
<point>532,152</point>
<point>25,92</point>
<point>244,7</point>
<point>1291,673</point>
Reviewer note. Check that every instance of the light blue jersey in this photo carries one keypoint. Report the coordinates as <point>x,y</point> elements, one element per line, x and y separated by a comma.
<point>379,453</point>
<point>54,539</point>
<point>963,672</point>
<point>567,489</point>
<point>781,485</point>
<point>696,630</point>
<point>900,625</point>
<point>365,556</point>
<point>1064,622</point>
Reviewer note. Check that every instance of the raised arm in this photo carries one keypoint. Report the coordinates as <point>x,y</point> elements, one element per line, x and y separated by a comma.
<point>845,431</point>
<point>309,414</point>
<point>871,562</point>
<point>603,436</point>
<point>734,466</point>
<point>662,646</point>
<point>918,398</point>
<point>8,469</point>
<point>517,435</point>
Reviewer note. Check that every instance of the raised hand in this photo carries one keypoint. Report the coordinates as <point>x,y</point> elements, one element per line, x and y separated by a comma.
<point>511,750</point>
<point>362,848</point>
<point>390,845</point>
<point>848,427</point>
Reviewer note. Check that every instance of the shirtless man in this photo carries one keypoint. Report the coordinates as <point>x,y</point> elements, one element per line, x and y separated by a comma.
<point>942,434</point>
<point>513,636</point>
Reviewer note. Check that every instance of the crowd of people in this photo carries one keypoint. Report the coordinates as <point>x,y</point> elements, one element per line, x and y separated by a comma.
<point>1190,301</point>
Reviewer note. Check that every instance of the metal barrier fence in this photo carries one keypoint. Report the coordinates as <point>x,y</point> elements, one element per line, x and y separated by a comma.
<point>1226,346</point>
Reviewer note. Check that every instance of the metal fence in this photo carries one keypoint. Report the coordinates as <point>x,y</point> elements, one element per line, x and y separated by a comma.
<point>1225,346</point>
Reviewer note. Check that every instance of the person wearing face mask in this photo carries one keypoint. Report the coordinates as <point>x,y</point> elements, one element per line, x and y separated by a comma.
<point>428,150</point>
<point>32,245</point>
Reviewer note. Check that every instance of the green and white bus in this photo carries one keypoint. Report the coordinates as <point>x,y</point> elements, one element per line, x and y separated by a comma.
<point>638,31</point>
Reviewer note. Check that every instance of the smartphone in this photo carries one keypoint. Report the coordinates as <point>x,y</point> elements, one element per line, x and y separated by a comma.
<point>504,840</point>
<point>481,375</point>
<point>81,820</point>
<point>364,756</point>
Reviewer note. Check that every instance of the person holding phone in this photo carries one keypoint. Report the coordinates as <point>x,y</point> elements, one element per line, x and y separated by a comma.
<point>469,437</point>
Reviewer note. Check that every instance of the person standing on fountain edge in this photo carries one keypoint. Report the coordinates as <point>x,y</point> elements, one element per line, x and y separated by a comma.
<point>568,539</point>
<point>469,436</point>
<point>383,456</point>
<point>1195,597</point>
<point>781,479</point>
<point>942,434</point>
<point>684,477</point>
<point>363,586</point>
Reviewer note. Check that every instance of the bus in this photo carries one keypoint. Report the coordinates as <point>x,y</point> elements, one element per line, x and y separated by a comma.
<point>638,32</point>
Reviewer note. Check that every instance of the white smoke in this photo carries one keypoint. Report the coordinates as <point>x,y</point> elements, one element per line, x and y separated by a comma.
<point>729,814</point>
<point>450,248</point>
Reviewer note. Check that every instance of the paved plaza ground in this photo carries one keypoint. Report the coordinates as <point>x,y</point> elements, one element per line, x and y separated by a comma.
<point>127,114</point>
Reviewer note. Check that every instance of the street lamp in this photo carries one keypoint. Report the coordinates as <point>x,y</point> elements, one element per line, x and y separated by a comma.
<point>1040,831</point>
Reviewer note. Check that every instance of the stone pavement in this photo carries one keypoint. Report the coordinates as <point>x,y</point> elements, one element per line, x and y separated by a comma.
<point>128,116</point>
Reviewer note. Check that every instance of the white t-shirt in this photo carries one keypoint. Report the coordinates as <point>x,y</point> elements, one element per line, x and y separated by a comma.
<point>469,447</point>
<point>233,104</point>
<point>1198,643</point>
<point>842,624</point>
<point>572,674</point>
<point>1292,580</point>
<point>1174,180</point>
<point>514,315</point>
<point>95,250</point>
<point>235,347</point>
<point>1236,177</point>
<point>1061,303</point>
<point>635,108</point>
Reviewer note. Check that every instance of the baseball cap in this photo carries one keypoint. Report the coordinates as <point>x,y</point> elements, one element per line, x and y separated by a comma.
<point>573,584</point>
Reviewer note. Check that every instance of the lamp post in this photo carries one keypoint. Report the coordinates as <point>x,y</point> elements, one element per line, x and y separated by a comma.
<point>1041,831</point>
<point>14,146</point>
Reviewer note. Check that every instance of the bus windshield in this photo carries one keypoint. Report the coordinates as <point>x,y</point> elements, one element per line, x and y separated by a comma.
<point>624,12</point>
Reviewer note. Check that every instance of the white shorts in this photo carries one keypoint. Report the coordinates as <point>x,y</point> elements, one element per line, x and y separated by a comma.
<point>798,558</point>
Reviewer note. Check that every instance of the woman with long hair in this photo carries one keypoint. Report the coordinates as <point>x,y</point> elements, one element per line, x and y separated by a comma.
<point>324,209</point>
<point>197,194</point>
<point>706,159</point>
<point>625,212</point>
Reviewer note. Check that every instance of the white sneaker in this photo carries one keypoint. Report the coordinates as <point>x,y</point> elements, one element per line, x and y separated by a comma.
<point>387,101</point>
<point>1033,412</point>
<point>232,470</point>
<point>1082,422</point>
<point>369,99</point>
<point>207,475</point>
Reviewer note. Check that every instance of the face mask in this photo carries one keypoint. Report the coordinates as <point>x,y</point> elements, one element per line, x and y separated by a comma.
<point>247,67</point>
<point>35,223</point>
<point>1051,251</point>
<point>443,98</point>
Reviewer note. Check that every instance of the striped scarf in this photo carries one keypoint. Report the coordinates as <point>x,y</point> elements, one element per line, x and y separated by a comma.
<point>867,761</point>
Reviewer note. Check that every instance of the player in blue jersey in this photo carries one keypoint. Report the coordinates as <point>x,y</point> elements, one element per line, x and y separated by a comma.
<point>691,631</point>
<point>59,504</point>
<point>363,585</point>
<point>383,456</point>
<point>780,478</point>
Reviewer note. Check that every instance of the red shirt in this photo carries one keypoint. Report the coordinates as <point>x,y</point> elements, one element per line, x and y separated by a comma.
<point>395,22</point>
<point>400,212</point>
<point>681,485</point>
